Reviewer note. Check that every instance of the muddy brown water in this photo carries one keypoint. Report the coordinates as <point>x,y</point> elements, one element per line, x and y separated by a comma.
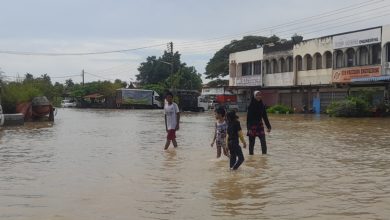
<point>109,164</point>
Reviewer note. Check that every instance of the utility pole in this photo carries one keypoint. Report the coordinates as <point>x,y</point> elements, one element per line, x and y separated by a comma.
<point>82,75</point>
<point>170,50</point>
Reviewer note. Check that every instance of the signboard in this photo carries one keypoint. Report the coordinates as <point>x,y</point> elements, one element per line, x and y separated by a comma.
<point>357,38</point>
<point>345,75</point>
<point>254,80</point>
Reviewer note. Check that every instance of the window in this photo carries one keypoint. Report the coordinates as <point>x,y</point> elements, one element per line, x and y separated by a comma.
<point>339,59</point>
<point>246,69</point>
<point>274,65</point>
<point>376,54</point>
<point>267,67</point>
<point>350,57</point>
<point>289,64</point>
<point>388,52</point>
<point>283,67</point>
<point>363,56</point>
<point>257,68</point>
<point>318,59</point>
<point>328,59</point>
<point>309,62</point>
<point>299,62</point>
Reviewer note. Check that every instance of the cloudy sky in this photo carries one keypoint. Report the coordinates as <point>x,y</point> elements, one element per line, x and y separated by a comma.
<point>40,36</point>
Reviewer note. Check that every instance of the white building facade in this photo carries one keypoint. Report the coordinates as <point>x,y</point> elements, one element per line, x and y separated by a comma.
<point>322,68</point>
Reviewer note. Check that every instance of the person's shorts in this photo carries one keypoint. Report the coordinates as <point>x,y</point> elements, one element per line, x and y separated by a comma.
<point>171,134</point>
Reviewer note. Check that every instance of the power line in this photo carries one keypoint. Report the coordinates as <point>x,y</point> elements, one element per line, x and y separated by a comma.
<point>76,54</point>
<point>98,76</point>
<point>297,21</point>
<point>210,47</point>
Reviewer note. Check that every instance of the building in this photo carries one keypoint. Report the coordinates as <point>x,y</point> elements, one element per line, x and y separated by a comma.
<point>313,73</point>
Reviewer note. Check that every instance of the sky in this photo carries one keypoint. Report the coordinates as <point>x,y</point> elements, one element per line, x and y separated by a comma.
<point>48,36</point>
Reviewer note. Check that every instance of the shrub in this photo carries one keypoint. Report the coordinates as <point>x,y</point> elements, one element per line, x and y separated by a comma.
<point>350,107</point>
<point>280,109</point>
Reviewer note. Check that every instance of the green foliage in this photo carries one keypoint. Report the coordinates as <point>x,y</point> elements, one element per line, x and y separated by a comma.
<point>218,66</point>
<point>351,107</point>
<point>185,78</point>
<point>160,88</point>
<point>280,109</point>
<point>218,83</point>
<point>156,70</point>
<point>105,88</point>
<point>15,92</point>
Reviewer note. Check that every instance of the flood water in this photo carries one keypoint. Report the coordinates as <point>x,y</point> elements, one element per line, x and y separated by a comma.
<point>110,164</point>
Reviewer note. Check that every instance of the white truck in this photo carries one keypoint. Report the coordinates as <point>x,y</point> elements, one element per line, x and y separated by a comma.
<point>137,98</point>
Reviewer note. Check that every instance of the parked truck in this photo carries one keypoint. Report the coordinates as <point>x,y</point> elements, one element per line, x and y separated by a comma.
<point>189,100</point>
<point>137,98</point>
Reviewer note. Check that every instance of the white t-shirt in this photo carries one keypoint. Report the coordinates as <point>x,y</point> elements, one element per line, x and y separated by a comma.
<point>170,112</point>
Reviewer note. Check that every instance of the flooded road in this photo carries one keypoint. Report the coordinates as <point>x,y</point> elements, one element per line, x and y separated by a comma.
<point>110,164</point>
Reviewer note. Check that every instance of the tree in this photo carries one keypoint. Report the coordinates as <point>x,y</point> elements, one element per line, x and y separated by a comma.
<point>186,78</point>
<point>121,83</point>
<point>218,83</point>
<point>156,70</point>
<point>1,76</point>
<point>28,77</point>
<point>218,66</point>
<point>69,83</point>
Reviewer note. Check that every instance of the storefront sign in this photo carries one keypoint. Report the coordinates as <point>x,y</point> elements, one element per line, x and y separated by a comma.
<point>357,38</point>
<point>254,80</point>
<point>346,74</point>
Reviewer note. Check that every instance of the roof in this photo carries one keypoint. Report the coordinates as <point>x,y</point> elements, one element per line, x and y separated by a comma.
<point>372,79</point>
<point>93,96</point>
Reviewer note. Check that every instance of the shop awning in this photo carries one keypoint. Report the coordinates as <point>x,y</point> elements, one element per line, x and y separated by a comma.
<point>371,79</point>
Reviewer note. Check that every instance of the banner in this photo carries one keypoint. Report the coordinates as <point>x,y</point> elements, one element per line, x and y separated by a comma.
<point>345,75</point>
<point>357,38</point>
<point>254,80</point>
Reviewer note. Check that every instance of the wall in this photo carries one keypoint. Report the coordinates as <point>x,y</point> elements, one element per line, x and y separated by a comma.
<point>320,45</point>
<point>246,56</point>
<point>253,80</point>
<point>279,79</point>
<point>235,68</point>
<point>385,40</point>
<point>314,77</point>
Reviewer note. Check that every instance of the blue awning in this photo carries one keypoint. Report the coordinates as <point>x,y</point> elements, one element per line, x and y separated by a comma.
<point>371,79</point>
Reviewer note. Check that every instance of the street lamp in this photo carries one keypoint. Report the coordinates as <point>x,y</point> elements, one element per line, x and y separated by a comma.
<point>171,64</point>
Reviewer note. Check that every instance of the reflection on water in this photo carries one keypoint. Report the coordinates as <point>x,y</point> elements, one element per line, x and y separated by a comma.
<point>110,164</point>
<point>240,193</point>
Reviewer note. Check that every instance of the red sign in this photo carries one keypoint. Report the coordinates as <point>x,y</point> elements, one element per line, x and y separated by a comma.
<point>346,74</point>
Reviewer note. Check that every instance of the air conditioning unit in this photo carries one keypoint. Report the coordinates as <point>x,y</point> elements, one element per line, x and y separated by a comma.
<point>387,65</point>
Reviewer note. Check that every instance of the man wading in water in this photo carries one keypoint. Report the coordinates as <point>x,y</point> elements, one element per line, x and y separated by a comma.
<point>172,120</point>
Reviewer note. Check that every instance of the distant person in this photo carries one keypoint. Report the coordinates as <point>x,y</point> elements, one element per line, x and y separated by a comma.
<point>255,117</point>
<point>220,132</point>
<point>172,120</point>
<point>234,133</point>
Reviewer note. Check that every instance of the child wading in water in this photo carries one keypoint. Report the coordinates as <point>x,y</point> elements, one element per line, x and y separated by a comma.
<point>220,132</point>
<point>172,120</point>
<point>233,133</point>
